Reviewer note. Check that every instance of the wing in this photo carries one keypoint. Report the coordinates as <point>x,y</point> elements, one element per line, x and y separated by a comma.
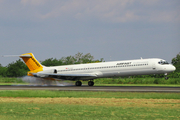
<point>78,76</point>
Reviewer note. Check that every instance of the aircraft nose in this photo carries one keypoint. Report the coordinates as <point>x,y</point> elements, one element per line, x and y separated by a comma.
<point>173,68</point>
<point>170,68</point>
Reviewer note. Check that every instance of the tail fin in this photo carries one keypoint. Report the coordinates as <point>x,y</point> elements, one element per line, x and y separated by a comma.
<point>31,62</point>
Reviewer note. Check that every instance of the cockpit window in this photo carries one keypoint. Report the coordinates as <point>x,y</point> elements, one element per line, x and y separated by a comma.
<point>163,62</point>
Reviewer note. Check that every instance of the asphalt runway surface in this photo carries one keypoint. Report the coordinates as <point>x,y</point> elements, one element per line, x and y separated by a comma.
<point>92,88</point>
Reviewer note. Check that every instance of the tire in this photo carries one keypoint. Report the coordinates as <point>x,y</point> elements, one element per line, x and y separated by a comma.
<point>90,83</point>
<point>78,83</point>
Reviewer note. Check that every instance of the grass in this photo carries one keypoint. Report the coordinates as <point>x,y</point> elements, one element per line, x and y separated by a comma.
<point>87,94</point>
<point>80,105</point>
<point>82,112</point>
<point>93,108</point>
<point>171,82</point>
<point>137,81</point>
<point>10,80</point>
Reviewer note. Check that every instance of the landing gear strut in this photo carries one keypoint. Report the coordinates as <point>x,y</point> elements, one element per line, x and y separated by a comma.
<point>90,83</point>
<point>78,83</point>
<point>166,76</point>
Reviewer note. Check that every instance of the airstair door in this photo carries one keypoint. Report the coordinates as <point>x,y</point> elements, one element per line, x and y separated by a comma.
<point>153,66</point>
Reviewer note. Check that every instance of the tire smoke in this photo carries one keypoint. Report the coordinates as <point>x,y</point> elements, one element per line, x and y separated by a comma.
<point>40,81</point>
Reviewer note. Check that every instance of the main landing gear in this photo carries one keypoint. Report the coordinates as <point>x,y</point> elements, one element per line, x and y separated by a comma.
<point>79,83</point>
<point>90,83</point>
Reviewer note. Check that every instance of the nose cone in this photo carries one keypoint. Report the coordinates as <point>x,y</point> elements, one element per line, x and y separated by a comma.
<point>173,68</point>
<point>169,68</point>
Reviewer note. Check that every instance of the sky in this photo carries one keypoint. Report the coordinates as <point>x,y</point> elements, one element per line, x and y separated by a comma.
<point>109,29</point>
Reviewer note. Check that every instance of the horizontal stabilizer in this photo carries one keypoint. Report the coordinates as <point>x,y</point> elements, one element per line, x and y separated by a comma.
<point>28,56</point>
<point>10,55</point>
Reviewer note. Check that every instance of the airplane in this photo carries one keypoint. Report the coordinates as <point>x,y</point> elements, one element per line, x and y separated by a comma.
<point>91,71</point>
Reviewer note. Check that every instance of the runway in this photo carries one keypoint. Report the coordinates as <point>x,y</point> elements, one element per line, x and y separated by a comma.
<point>93,88</point>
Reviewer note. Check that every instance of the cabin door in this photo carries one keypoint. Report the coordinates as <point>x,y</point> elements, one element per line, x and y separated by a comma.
<point>153,66</point>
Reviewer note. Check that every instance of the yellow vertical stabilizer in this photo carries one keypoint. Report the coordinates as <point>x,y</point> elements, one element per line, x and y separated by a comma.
<point>33,65</point>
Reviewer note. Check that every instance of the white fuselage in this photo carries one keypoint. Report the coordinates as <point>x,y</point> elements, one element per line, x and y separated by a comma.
<point>113,69</point>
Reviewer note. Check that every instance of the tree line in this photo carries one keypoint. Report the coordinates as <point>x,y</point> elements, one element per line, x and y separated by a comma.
<point>19,68</point>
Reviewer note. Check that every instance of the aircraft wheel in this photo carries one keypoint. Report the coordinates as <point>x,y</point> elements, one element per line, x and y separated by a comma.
<point>90,83</point>
<point>78,83</point>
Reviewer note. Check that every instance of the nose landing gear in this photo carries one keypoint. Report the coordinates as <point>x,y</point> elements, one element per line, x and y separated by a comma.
<point>166,76</point>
